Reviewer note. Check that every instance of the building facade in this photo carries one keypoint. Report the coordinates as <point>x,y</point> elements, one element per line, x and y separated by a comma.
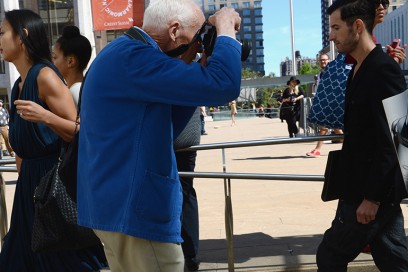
<point>251,27</point>
<point>286,65</point>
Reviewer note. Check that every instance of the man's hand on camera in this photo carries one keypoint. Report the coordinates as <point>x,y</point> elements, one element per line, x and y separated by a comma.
<point>191,52</point>
<point>227,21</point>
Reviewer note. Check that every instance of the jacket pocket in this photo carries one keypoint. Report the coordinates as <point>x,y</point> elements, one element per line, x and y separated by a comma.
<point>159,199</point>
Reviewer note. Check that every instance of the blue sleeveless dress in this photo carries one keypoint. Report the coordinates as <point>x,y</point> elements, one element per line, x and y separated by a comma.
<point>39,147</point>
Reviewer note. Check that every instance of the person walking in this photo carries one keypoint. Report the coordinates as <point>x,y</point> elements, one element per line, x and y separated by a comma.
<point>42,114</point>
<point>233,106</point>
<point>4,129</point>
<point>368,210</point>
<point>323,61</point>
<point>71,54</point>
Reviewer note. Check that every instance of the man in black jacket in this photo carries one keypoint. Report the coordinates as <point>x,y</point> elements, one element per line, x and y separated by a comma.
<point>369,207</point>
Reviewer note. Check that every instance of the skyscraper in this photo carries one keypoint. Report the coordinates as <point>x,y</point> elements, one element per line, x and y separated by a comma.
<point>251,27</point>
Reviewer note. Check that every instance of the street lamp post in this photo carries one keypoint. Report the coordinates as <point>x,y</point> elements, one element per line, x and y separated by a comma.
<point>332,55</point>
<point>294,66</point>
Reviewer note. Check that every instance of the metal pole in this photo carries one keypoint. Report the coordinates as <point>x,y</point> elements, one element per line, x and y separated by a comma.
<point>332,55</point>
<point>229,221</point>
<point>294,64</point>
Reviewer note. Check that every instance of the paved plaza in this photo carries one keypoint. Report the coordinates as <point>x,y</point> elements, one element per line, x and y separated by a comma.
<point>277,224</point>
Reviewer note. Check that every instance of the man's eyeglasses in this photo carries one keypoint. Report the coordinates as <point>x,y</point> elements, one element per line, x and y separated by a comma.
<point>384,3</point>
<point>197,36</point>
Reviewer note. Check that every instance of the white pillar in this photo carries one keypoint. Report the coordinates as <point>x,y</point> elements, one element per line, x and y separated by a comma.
<point>10,68</point>
<point>332,50</point>
<point>292,29</point>
<point>83,20</point>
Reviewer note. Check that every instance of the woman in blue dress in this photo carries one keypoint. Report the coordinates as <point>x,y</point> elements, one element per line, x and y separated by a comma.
<point>42,113</point>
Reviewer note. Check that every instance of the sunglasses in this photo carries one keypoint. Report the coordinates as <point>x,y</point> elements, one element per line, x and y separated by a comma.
<point>384,3</point>
<point>184,47</point>
<point>197,36</point>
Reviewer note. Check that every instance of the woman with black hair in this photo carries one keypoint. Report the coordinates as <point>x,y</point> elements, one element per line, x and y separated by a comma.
<point>42,114</point>
<point>71,54</point>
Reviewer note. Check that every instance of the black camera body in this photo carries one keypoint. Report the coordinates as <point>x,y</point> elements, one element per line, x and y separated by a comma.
<point>209,41</point>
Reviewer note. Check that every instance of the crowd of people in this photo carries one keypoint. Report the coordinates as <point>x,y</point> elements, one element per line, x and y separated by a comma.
<point>151,222</point>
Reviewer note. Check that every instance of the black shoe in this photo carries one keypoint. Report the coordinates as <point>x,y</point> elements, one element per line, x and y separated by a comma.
<point>6,153</point>
<point>192,264</point>
<point>204,133</point>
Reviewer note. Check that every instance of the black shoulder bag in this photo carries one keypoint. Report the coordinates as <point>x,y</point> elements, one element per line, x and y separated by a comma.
<point>55,224</point>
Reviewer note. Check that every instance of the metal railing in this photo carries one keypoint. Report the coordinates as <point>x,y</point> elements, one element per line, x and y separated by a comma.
<point>227,176</point>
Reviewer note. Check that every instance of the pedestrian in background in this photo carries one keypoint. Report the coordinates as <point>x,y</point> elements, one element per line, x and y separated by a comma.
<point>4,121</point>
<point>323,61</point>
<point>42,114</point>
<point>71,54</point>
<point>233,106</point>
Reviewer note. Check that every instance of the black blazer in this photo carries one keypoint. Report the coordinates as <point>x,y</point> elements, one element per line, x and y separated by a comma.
<point>371,164</point>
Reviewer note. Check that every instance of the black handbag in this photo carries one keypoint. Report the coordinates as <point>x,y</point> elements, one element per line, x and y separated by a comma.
<point>69,163</point>
<point>55,218</point>
<point>333,176</point>
<point>287,111</point>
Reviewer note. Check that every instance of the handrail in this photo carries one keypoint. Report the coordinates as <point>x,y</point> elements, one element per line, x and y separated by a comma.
<point>257,176</point>
<point>261,142</point>
<point>7,161</point>
<point>227,176</point>
<point>8,169</point>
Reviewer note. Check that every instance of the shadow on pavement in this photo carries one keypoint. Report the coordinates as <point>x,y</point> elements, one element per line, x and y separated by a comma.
<point>253,245</point>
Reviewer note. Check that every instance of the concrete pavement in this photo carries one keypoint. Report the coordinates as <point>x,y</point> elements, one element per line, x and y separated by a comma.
<point>277,224</point>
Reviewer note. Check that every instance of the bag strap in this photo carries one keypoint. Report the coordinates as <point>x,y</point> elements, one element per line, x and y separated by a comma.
<point>134,34</point>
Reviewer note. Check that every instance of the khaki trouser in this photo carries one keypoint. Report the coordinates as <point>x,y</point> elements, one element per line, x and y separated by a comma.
<point>5,133</point>
<point>128,253</point>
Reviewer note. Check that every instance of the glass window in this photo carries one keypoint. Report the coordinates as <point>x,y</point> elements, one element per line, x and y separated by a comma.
<point>246,20</point>
<point>246,28</point>
<point>245,4</point>
<point>234,5</point>
<point>248,36</point>
<point>258,20</point>
<point>259,36</point>
<point>258,27</point>
<point>246,12</point>
<point>259,52</point>
<point>258,12</point>
<point>260,59</point>
<point>211,7</point>
<point>222,5</point>
<point>210,1</point>
<point>259,43</point>
<point>257,4</point>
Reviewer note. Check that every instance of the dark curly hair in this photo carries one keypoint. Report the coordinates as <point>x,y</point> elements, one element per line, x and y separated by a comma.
<point>351,10</point>
<point>73,43</point>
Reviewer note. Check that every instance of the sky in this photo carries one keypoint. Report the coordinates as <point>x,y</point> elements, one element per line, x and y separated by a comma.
<point>277,33</point>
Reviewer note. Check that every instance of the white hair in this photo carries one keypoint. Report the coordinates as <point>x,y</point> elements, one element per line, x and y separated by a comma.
<point>160,13</point>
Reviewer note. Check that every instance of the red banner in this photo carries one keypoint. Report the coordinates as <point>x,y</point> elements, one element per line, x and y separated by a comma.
<point>116,14</point>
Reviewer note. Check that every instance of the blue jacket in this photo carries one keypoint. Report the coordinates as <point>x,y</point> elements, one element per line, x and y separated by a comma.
<point>135,101</point>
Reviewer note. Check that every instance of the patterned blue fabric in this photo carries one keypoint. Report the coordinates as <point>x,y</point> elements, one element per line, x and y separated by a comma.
<point>328,104</point>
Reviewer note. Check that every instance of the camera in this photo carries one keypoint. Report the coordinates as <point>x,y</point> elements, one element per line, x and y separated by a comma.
<point>210,35</point>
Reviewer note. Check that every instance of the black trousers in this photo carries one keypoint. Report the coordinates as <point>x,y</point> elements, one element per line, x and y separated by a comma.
<point>344,241</point>
<point>292,127</point>
<point>190,221</point>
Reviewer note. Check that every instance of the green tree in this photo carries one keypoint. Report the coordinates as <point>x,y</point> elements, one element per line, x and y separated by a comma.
<point>308,69</point>
<point>248,73</point>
